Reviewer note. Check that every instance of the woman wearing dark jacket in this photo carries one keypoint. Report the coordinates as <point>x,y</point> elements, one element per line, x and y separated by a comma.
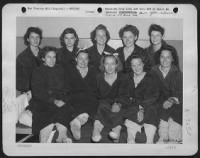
<point>156,33</point>
<point>50,99</point>
<point>28,60</point>
<point>169,79</point>
<point>142,101</point>
<point>69,42</point>
<point>112,87</point>
<point>129,35</point>
<point>99,37</point>
<point>82,92</point>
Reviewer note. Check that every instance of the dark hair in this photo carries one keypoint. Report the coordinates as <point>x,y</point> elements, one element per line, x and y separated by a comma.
<point>138,56</point>
<point>45,50</point>
<point>36,30</point>
<point>81,51</point>
<point>117,60</point>
<point>68,31</point>
<point>99,27</point>
<point>173,53</point>
<point>155,27</point>
<point>130,28</point>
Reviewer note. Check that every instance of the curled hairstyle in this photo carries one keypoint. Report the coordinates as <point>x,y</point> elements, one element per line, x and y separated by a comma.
<point>155,27</point>
<point>45,50</point>
<point>130,28</point>
<point>117,60</point>
<point>173,53</point>
<point>68,31</point>
<point>36,30</point>
<point>99,27</point>
<point>81,51</point>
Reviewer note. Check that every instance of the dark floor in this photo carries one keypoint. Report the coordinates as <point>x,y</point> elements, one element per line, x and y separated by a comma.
<point>86,133</point>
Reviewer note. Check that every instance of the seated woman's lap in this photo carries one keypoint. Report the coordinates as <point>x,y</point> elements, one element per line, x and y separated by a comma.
<point>61,115</point>
<point>108,118</point>
<point>175,112</point>
<point>150,115</point>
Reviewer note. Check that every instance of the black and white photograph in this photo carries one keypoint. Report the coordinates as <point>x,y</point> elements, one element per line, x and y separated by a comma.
<point>99,79</point>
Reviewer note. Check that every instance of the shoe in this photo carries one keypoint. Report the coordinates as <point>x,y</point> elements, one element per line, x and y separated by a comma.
<point>96,138</point>
<point>96,134</point>
<point>76,129</point>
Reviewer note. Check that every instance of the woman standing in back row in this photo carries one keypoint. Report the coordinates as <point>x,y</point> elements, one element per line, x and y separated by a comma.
<point>28,59</point>
<point>129,35</point>
<point>156,34</point>
<point>100,37</point>
<point>69,42</point>
<point>26,62</point>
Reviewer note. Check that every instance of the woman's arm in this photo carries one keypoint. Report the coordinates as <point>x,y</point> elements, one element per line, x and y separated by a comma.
<point>39,87</point>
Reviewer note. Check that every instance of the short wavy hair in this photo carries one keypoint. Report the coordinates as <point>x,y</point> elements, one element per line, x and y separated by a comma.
<point>45,50</point>
<point>130,28</point>
<point>69,31</point>
<point>81,51</point>
<point>155,27</point>
<point>99,27</point>
<point>117,60</point>
<point>36,30</point>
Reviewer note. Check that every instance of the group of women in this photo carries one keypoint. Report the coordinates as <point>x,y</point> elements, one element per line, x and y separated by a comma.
<point>131,86</point>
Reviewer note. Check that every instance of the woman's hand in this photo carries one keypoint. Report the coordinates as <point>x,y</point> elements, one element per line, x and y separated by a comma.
<point>140,115</point>
<point>59,103</point>
<point>116,107</point>
<point>167,104</point>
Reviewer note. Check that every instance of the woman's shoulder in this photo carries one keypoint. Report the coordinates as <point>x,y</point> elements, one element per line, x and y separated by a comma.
<point>150,76</point>
<point>60,51</point>
<point>110,49</point>
<point>176,71</point>
<point>119,50</point>
<point>139,48</point>
<point>25,55</point>
<point>89,49</point>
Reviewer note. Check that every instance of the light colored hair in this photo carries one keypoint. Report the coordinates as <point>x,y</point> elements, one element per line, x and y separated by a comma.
<point>117,60</point>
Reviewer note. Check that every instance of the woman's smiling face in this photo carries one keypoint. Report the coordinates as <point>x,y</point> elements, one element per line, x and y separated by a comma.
<point>50,59</point>
<point>137,66</point>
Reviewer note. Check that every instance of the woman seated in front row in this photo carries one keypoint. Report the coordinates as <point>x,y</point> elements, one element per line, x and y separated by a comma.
<point>50,102</point>
<point>143,97</point>
<point>82,92</point>
<point>170,82</point>
<point>111,85</point>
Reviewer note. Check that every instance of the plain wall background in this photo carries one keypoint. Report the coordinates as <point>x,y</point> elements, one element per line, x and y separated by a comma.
<point>52,28</point>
